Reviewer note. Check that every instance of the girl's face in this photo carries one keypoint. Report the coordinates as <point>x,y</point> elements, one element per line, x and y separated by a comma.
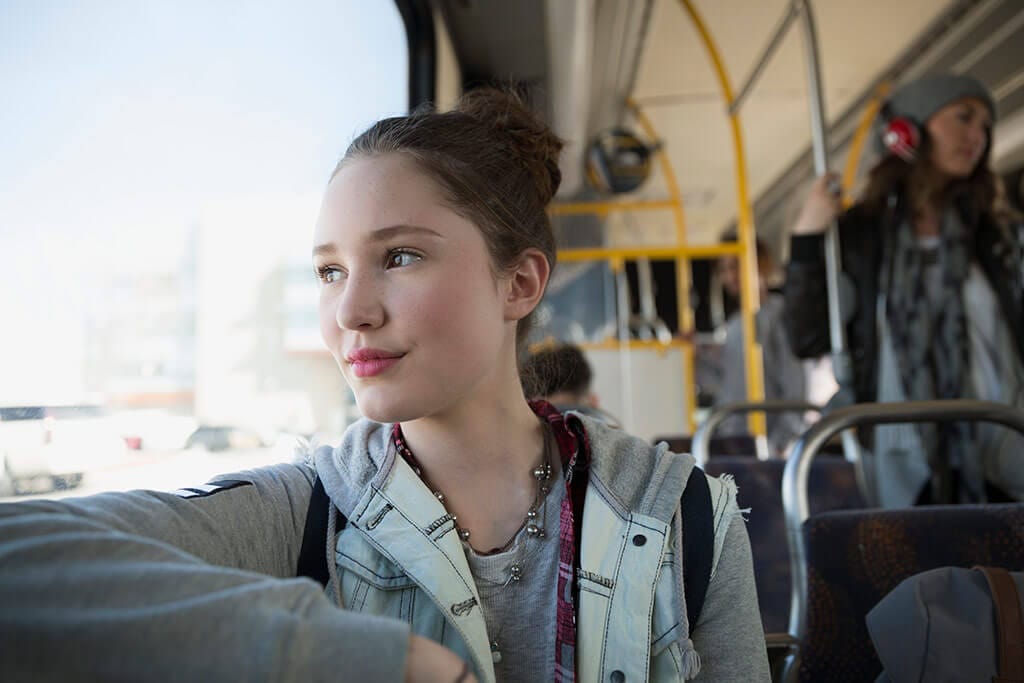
<point>959,134</point>
<point>409,305</point>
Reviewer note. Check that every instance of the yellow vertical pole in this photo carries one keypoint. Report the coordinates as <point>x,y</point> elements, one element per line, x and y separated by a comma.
<point>749,294</point>
<point>684,312</point>
<point>859,137</point>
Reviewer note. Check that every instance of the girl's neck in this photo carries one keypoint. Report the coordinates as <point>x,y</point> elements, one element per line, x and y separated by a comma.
<point>478,438</point>
<point>481,459</point>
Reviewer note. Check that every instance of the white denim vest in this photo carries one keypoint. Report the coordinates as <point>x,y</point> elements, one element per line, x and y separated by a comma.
<point>399,556</point>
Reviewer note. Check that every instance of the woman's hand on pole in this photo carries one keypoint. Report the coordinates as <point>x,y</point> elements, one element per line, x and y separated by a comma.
<point>822,206</point>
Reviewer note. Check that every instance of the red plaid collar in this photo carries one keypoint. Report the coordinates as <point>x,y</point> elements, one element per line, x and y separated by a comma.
<point>574,448</point>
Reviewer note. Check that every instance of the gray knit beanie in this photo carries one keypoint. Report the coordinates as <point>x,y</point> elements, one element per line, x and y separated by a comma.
<point>919,100</point>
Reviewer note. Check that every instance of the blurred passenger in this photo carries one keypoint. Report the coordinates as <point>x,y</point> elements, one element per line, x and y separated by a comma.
<point>562,376</point>
<point>464,533</point>
<point>784,373</point>
<point>932,293</point>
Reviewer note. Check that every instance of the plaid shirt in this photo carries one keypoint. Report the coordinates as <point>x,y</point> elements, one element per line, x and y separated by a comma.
<point>574,449</point>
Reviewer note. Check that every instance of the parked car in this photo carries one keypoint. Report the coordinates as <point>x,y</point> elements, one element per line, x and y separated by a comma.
<point>223,438</point>
<point>48,447</point>
<point>154,429</point>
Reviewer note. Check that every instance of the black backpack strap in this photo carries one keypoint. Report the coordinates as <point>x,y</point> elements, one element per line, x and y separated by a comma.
<point>313,554</point>
<point>698,542</point>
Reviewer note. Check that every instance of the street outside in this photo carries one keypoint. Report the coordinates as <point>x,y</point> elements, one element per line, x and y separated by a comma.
<point>165,470</point>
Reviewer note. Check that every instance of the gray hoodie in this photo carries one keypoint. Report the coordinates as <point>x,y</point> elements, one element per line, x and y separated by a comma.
<point>197,584</point>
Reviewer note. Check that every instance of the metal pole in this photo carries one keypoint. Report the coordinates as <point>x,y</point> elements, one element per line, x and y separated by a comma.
<point>773,44</point>
<point>841,364</point>
<point>701,446</point>
<point>819,144</point>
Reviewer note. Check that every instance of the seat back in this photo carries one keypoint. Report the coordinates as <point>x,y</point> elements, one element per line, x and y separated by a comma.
<point>738,445</point>
<point>854,558</point>
<point>833,486</point>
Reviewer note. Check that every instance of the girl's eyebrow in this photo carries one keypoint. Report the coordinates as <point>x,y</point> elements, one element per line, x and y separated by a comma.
<point>382,235</point>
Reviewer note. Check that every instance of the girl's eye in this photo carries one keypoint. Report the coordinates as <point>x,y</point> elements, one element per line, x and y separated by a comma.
<point>400,258</point>
<point>328,274</point>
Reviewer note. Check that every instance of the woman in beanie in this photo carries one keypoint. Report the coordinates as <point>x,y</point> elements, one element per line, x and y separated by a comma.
<point>934,285</point>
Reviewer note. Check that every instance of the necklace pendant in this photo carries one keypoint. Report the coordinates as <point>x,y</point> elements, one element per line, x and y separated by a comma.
<point>495,652</point>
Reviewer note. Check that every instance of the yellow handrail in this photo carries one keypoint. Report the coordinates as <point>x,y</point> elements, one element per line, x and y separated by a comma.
<point>657,253</point>
<point>749,298</point>
<point>867,119</point>
<point>683,310</point>
<point>604,208</point>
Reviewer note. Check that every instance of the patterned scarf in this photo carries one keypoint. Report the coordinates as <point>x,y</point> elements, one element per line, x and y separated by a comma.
<point>574,449</point>
<point>932,345</point>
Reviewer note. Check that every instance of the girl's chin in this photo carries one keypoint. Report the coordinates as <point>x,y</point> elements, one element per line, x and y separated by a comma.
<point>387,412</point>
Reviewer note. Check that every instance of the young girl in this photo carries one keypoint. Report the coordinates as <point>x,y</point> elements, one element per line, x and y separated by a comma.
<point>936,277</point>
<point>470,534</point>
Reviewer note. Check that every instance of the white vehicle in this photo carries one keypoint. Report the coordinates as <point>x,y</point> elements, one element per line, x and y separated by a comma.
<point>45,448</point>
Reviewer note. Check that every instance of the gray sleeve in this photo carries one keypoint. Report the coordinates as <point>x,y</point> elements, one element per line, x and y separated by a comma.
<point>254,523</point>
<point>729,636</point>
<point>146,586</point>
<point>733,387</point>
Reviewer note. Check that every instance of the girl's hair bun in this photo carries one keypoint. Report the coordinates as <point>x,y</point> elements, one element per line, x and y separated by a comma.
<point>529,138</point>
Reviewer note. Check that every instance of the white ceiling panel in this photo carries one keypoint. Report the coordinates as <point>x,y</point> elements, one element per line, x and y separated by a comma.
<point>678,89</point>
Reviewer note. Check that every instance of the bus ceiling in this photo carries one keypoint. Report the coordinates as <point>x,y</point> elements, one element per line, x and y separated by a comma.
<point>579,60</point>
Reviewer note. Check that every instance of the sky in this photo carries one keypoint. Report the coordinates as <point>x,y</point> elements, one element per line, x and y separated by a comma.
<point>125,119</point>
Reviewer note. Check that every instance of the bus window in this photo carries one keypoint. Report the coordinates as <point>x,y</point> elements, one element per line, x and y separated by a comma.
<point>162,166</point>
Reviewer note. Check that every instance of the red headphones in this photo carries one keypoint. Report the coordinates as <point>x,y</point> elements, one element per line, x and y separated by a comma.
<point>902,137</point>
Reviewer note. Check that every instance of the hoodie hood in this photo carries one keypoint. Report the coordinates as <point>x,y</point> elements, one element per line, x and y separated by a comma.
<point>640,478</point>
<point>363,458</point>
<point>631,475</point>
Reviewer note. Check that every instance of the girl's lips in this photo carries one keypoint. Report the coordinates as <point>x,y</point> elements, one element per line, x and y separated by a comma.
<point>371,367</point>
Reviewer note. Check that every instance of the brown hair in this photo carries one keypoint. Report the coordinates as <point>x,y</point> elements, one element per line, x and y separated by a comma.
<point>496,163</point>
<point>556,369</point>
<point>924,185</point>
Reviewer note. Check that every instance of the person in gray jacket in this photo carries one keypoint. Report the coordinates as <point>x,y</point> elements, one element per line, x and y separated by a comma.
<point>784,373</point>
<point>470,534</point>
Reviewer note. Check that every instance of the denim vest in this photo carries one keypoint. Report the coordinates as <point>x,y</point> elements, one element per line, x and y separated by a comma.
<point>399,556</point>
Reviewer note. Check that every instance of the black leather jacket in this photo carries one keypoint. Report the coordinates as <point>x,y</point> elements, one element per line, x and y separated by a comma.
<point>861,237</point>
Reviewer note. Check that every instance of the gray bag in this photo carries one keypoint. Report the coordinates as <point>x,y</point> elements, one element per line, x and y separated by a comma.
<point>951,625</point>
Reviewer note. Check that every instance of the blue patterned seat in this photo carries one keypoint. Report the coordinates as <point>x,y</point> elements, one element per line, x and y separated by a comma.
<point>833,486</point>
<point>856,557</point>
<point>740,444</point>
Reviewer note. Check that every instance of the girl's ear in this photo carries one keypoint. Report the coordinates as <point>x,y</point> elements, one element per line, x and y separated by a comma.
<point>526,284</point>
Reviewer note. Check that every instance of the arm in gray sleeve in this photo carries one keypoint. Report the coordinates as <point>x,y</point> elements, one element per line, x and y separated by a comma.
<point>729,635</point>
<point>251,520</point>
<point>80,600</point>
<point>733,387</point>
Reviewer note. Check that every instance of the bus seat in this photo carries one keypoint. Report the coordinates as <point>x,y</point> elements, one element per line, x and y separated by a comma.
<point>833,486</point>
<point>740,444</point>
<point>855,558</point>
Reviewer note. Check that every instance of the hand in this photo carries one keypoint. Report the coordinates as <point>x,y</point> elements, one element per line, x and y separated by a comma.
<point>821,207</point>
<point>428,662</point>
